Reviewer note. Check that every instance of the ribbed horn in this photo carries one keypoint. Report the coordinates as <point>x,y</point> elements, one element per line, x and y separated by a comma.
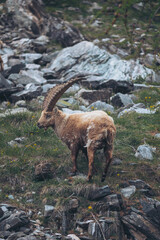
<point>56,92</point>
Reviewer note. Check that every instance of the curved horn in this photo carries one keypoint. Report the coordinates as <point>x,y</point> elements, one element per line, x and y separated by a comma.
<point>56,92</point>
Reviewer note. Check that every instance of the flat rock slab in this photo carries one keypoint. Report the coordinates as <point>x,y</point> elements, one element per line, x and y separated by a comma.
<point>94,95</point>
<point>137,108</point>
<point>99,193</point>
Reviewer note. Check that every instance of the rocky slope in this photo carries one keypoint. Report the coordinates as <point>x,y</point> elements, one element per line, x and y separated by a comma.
<point>30,67</point>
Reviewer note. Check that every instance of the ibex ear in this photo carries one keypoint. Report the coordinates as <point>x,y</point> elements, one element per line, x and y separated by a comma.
<point>55,109</point>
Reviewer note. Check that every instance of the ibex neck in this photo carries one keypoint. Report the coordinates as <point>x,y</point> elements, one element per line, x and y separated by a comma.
<point>60,121</point>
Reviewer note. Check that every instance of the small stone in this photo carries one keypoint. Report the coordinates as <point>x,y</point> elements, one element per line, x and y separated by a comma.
<point>73,237</point>
<point>48,210</point>
<point>43,171</point>
<point>128,191</point>
<point>11,197</point>
<point>98,105</point>
<point>20,103</point>
<point>157,135</point>
<point>144,152</point>
<point>73,204</point>
<point>116,161</point>
<point>149,59</point>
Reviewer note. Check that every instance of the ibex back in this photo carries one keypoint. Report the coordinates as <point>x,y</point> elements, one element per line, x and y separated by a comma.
<point>87,131</point>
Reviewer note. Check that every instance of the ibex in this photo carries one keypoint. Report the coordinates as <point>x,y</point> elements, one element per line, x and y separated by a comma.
<point>86,131</point>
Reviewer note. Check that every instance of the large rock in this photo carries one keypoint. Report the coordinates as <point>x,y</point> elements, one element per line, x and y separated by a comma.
<point>140,227</point>
<point>30,15</point>
<point>112,202</point>
<point>14,69</point>
<point>36,75</point>
<point>118,86</point>
<point>21,79</point>
<point>3,82</point>
<point>87,58</point>
<point>151,208</point>
<point>5,93</point>
<point>104,228</point>
<point>27,14</point>
<point>121,100</point>
<point>99,193</point>
<point>16,220</point>
<point>63,32</point>
<point>30,91</point>
<point>95,95</point>
<point>31,57</point>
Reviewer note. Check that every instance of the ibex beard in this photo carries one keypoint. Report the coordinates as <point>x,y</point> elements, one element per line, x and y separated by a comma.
<point>87,131</point>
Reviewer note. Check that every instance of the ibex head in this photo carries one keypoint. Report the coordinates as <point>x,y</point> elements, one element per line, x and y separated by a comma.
<point>47,118</point>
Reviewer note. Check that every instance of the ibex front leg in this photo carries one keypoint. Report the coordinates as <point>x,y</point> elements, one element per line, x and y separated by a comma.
<point>74,154</point>
<point>90,153</point>
<point>108,150</point>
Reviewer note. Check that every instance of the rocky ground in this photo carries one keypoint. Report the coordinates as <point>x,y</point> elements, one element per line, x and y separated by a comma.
<point>125,87</point>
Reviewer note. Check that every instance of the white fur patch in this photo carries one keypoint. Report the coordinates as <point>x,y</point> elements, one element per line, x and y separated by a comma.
<point>88,143</point>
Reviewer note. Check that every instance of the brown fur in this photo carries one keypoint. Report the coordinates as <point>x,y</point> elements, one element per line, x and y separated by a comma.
<point>82,131</point>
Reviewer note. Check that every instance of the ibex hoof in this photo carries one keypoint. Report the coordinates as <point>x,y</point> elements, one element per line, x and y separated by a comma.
<point>72,174</point>
<point>103,178</point>
<point>89,178</point>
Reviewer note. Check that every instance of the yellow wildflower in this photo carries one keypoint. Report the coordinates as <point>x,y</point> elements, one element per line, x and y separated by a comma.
<point>90,207</point>
<point>118,174</point>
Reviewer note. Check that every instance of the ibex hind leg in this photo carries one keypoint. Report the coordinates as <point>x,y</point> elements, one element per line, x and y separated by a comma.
<point>74,154</point>
<point>90,153</point>
<point>84,150</point>
<point>108,150</point>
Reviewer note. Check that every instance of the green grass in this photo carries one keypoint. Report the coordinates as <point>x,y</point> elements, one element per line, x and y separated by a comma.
<point>17,164</point>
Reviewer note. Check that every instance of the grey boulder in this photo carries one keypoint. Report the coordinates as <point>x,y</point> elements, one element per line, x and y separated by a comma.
<point>98,105</point>
<point>30,91</point>
<point>145,152</point>
<point>121,100</point>
<point>85,57</point>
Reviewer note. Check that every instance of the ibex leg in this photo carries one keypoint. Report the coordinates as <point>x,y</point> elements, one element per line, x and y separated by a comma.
<point>108,150</point>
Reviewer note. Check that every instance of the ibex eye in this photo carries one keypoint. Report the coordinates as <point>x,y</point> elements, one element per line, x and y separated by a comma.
<point>48,116</point>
